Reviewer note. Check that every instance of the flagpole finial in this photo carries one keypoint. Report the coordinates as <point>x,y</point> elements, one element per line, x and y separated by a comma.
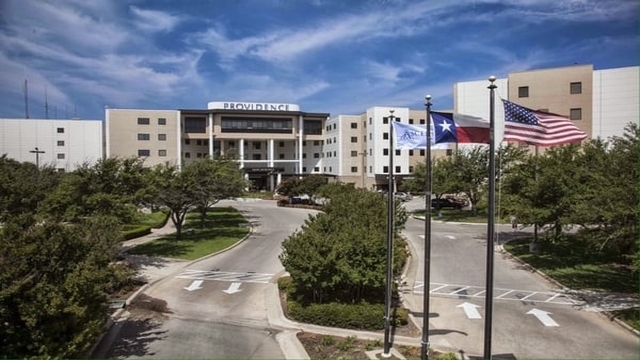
<point>392,111</point>
<point>427,99</point>
<point>492,78</point>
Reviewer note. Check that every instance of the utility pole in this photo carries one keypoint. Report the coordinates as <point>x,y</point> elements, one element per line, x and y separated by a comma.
<point>37,152</point>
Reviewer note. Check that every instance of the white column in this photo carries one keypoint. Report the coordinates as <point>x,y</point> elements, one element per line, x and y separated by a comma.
<point>241,156</point>
<point>179,139</point>
<point>211,135</point>
<point>300,135</point>
<point>270,152</point>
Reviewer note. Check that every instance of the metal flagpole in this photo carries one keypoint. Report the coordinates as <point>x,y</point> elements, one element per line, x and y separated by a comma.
<point>427,238</point>
<point>390,206</point>
<point>490,222</point>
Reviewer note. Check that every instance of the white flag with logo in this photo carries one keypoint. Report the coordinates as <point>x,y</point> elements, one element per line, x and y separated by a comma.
<point>410,137</point>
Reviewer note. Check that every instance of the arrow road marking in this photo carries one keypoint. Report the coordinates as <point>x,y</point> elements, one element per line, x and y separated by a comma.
<point>195,285</point>
<point>450,237</point>
<point>471,310</point>
<point>233,288</point>
<point>543,316</point>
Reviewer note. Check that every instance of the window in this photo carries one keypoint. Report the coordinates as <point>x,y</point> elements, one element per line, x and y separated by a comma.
<point>232,144</point>
<point>195,124</point>
<point>385,152</point>
<point>304,155</point>
<point>162,137</point>
<point>187,155</point>
<point>162,121</point>
<point>411,121</point>
<point>370,169</point>
<point>411,169</point>
<point>60,156</point>
<point>422,121</point>
<point>385,120</point>
<point>370,121</point>
<point>385,169</point>
<point>334,154</point>
<point>257,145</point>
<point>316,155</point>
<point>60,142</point>
<point>60,130</point>
<point>422,152</point>
<point>162,152</point>
<point>60,170</point>
<point>354,153</point>
<point>198,142</point>
<point>304,169</point>
<point>449,152</point>
<point>397,152</point>
<point>281,156</point>
<point>354,139</point>
<point>143,137</point>
<point>144,152</point>
<point>575,88</point>
<point>330,168</point>
<point>354,169</point>
<point>143,121</point>
<point>199,155</point>
<point>304,143</point>
<point>281,144</point>
<point>575,114</point>
<point>187,141</point>
<point>205,142</point>
<point>334,126</point>
<point>523,91</point>
<point>354,125</point>
<point>385,136</point>
<point>410,152</point>
<point>316,142</point>
<point>316,169</point>
<point>398,169</point>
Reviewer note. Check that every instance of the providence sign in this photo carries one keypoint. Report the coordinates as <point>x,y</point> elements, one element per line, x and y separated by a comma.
<point>253,106</point>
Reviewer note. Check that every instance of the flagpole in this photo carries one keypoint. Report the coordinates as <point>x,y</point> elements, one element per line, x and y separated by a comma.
<point>427,238</point>
<point>390,218</point>
<point>490,222</point>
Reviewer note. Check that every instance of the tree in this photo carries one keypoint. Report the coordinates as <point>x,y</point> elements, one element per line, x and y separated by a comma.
<point>23,187</point>
<point>214,180</point>
<point>470,172</point>
<point>309,185</point>
<point>54,281</point>
<point>108,187</point>
<point>175,190</point>
<point>289,187</point>
<point>340,255</point>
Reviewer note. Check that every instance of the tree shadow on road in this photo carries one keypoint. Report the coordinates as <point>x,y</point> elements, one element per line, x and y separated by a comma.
<point>140,329</point>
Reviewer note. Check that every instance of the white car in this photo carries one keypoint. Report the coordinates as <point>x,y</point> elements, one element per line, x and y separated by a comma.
<point>403,196</point>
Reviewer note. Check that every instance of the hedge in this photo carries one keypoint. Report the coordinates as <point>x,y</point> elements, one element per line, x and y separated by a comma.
<point>132,232</point>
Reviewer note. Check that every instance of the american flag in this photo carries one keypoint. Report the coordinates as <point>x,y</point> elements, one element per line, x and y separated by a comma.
<point>538,127</point>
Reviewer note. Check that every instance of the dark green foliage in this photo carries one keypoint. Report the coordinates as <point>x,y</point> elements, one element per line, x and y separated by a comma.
<point>340,255</point>
<point>362,316</point>
<point>23,187</point>
<point>135,231</point>
<point>54,281</point>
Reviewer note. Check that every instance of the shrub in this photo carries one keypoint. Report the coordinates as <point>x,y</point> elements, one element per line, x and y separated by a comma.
<point>283,202</point>
<point>132,232</point>
<point>363,316</point>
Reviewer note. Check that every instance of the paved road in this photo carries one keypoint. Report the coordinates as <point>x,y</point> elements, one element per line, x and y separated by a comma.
<point>217,307</point>
<point>532,318</point>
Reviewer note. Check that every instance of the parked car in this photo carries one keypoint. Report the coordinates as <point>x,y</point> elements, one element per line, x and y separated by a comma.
<point>403,196</point>
<point>444,203</point>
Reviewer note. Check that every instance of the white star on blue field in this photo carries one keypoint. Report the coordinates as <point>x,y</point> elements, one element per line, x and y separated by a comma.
<point>330,56</point>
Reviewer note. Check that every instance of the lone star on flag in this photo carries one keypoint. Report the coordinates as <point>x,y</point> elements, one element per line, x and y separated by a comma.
<point>446,126</point>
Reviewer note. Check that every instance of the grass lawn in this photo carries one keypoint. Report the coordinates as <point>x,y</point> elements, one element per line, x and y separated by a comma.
<point>222,229</point>
<point>155,219</point>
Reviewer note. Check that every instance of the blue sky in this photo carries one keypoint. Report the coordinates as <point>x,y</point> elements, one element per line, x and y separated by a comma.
<point>330,56</point>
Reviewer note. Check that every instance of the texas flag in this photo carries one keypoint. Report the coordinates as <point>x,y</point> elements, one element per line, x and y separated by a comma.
<point>459,128</point>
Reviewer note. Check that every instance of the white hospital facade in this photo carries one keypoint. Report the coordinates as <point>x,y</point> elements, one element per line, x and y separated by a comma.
<point>273,141</point>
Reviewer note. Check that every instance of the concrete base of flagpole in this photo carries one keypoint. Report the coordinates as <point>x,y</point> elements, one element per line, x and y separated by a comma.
<point>380,354</point>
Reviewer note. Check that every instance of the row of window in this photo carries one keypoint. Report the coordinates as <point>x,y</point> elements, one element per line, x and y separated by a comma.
<point>147,152</point>
<point>147,121</point>
<point>574,88</point>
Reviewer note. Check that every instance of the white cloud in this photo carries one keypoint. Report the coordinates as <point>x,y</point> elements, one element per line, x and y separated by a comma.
<point>152,20</point>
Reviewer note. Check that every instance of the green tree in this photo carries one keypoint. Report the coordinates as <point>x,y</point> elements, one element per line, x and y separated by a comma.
<point>470,172</point>
<point>54,281</point>
<point>214,180</point>
<point>340,255</point>
<point>289,187</point>
<point>176,190</point>
<point>311,184</point>
<point>23,187</point>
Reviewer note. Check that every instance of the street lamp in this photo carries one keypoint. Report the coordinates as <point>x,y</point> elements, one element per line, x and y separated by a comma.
<point>37,152</point>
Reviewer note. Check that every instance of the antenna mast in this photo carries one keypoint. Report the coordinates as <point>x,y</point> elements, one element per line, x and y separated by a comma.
<point>46,103</point>
<point>26,99</point>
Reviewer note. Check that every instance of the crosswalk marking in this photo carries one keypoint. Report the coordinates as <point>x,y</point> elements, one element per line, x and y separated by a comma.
<point>246,277</point>
<point>451,290</point>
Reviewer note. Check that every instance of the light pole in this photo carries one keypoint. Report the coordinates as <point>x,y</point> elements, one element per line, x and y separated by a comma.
<point>37,152</point>
<point>390,218</point>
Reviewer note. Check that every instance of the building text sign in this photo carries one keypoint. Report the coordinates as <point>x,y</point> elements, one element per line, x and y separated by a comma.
<point>252,106</point>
